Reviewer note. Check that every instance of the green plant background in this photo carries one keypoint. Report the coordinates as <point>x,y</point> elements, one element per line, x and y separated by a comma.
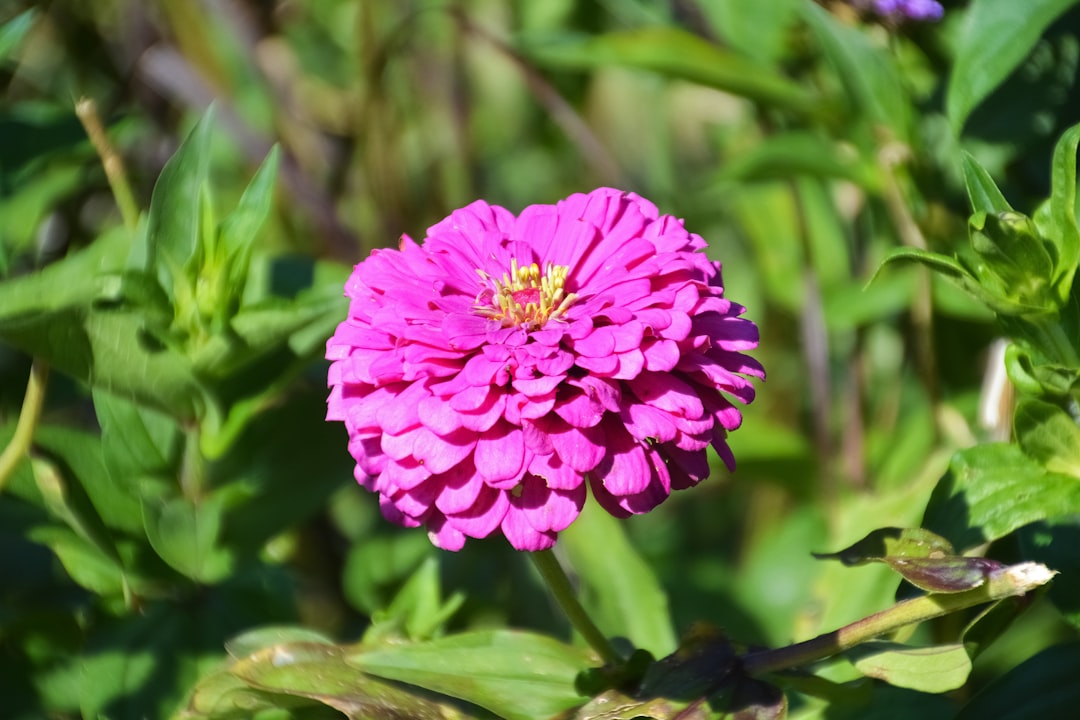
<point>183,488</point>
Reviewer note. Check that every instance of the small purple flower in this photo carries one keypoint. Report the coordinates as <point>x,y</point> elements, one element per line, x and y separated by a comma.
<point>490,375</point>
<point>924,10</point>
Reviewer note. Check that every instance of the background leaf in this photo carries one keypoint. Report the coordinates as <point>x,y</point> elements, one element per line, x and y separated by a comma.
<point>994,38</point>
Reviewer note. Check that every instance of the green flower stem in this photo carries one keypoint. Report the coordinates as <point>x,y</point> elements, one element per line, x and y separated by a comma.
<point>1006,582</point>
<point>33,401</point>
<point>559,584</point>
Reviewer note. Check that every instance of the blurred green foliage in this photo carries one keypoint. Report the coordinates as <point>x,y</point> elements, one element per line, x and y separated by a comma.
<point>182,488</point>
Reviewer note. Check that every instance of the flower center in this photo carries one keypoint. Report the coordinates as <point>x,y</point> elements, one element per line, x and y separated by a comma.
<point>525,296</point>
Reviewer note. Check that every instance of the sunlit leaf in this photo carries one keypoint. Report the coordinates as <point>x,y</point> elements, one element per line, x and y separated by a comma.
<point>993,489</point>
<point>322,672</point>
<point>892,543</point>
<point>516,675</point>
<point>1049,435</point>
<point>982,191</point>
<point>928,669</point>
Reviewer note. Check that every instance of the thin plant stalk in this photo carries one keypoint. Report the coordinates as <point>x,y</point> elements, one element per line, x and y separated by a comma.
<point>559,585</point>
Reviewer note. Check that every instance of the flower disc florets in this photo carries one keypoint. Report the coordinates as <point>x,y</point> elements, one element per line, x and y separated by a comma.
<point>491,374</point>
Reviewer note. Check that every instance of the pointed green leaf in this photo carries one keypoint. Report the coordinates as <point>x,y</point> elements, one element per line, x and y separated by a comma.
<point>892,543</point>
<point>186,536</point>
<point>982,192</point>
<point>619,589</point>
<point>995,37</point>
<point>993,489</point>
<point>1065,232</point>
<point>13,31</point>
<point>516,675</point>
<point>677,54</point>
<point>934,669</point>
<point>176,210</point>
<point>1055,544</point>
<point>943,264</point>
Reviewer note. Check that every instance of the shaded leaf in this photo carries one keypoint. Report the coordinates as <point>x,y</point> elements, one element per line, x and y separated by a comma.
<point>928,669</point>
<point>992,622</point>
<point>516,675</point>
<point>186,535</point>
<point>757,700</point>
<point>1055,543</point>
<point>995,37</point>
<point>1043,686</point>
<point>793,153</point>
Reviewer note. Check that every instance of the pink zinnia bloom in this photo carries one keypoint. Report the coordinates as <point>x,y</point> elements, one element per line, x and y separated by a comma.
<point>489,374</point>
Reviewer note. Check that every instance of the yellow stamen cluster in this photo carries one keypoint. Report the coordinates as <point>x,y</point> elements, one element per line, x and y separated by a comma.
<point>526,296</point>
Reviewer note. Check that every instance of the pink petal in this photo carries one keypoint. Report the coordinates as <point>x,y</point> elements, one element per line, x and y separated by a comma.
<point>461,487</point>
<point>486,514</point>
<point>522,535</point>
<point>667,393</point>
<point>547,509</point>
<point>444,535</point>
<point>500,453</point>
<point>440,453</point>
<point>557,474</point>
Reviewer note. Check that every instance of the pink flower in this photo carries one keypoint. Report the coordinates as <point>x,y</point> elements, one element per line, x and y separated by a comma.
<point>489,374</point>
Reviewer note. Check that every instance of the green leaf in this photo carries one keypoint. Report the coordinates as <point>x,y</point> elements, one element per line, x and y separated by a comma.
<point>934,669</point>
<point>758,29</point>
<point>252,641</point>
<point>1055,543</point>
<point>992,622</point>
<point>186,535</point>
<point>868,73</point>
<point>240,227</point>
<point>322,672</point>
<point>86,563</point>
<point>1049,435</point>
<point>13,31</point>
<point>993,489</point>
<point>618,588</point>
<point>1043,686</point>
<point>516,675</point>
<point>1064,233</point>
<point>982,192</point>
<point>677,54</point>
<point>995,37</point>
<point>792,153</point>
<point>379,563</point>
<point>176,212</point>
<point>892,543</point>
<point>135,442</point>
<point>419,608</point>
